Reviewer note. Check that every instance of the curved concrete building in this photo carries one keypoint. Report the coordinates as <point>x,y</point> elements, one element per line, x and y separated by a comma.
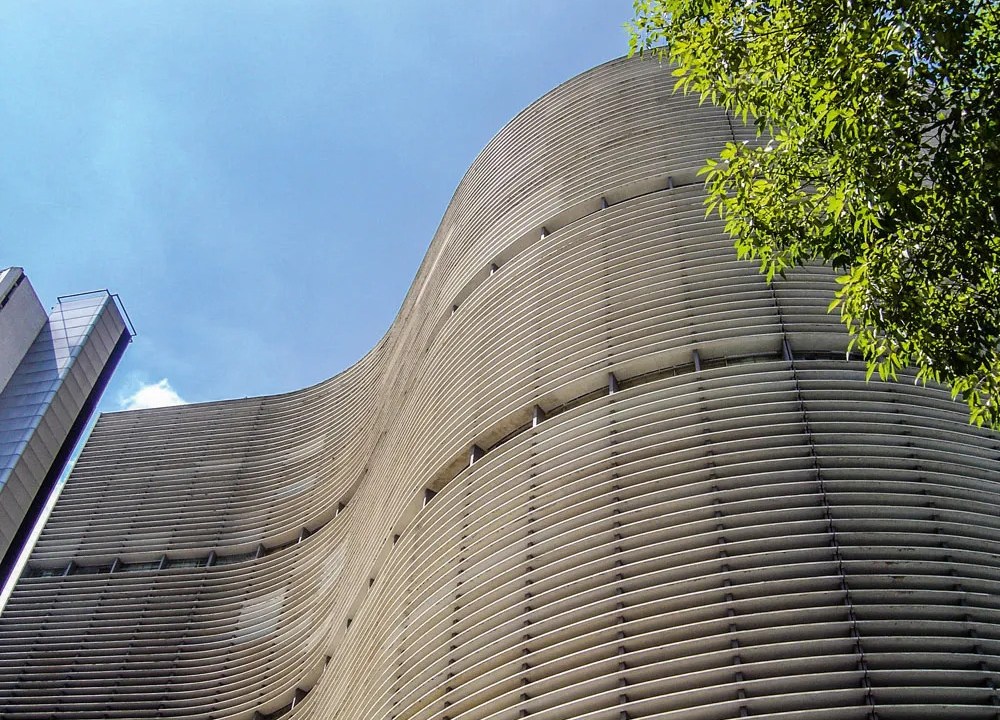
<point>596,469</point>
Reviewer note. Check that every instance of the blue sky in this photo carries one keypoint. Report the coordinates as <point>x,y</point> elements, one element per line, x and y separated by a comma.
<point>257,180</point>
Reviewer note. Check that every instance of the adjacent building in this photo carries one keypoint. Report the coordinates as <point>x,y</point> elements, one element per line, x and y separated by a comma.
<point>597,469</point>
<point>53,369</point>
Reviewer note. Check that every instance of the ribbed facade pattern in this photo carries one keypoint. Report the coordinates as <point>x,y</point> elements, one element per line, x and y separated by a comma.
<point>596,469</point>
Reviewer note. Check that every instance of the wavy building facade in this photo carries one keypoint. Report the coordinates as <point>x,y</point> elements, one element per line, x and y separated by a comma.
<point>596,469</point>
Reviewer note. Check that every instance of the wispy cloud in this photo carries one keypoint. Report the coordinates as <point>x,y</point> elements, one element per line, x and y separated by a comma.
<point>152,395</point>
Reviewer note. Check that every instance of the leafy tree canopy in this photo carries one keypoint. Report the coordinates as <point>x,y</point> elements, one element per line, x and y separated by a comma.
<point>882,157</point>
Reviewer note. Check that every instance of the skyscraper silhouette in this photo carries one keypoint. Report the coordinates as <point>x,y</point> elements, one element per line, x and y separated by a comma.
<point>53,369</point>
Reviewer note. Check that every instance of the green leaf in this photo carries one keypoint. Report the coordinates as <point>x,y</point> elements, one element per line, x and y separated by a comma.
<point>880,125</point>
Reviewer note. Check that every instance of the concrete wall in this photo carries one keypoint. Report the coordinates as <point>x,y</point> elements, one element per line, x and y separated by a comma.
<point>597,469</point>
<point>21,318</point>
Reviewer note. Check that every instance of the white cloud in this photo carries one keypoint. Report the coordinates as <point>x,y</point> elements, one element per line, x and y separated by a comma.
<point>152,395</point>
